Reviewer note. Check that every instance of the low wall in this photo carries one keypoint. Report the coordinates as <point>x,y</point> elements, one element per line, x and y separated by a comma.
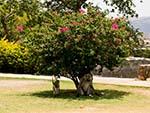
<point>128,69</point>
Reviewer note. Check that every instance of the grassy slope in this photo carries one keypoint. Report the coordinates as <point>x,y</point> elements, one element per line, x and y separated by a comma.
<point>39,99</point>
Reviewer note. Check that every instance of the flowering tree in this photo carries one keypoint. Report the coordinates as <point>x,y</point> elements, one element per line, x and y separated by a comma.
<point>94,40</point>
<point>74,43</point>
<point>71,42</point>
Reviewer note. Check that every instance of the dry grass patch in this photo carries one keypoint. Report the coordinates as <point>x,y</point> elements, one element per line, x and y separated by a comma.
<point>35,96</point>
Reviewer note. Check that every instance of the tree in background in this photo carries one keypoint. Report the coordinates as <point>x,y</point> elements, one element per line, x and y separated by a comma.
<point>125,7</point>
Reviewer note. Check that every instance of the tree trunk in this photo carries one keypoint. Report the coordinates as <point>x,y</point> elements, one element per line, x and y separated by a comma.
<point>85,86</point>
<point>3,21</point>
<point>76,82</point>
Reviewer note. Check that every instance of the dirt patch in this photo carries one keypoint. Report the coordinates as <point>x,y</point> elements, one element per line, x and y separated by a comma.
<point>119,109</point>
<point>19,83</point>
<point>145,92</point>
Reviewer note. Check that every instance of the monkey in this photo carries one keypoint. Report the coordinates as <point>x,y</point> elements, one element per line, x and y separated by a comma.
<point>56,85</point>
<point>85,85</point>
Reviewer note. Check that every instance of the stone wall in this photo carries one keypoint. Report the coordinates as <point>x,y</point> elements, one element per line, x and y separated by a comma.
<point>128,69</point>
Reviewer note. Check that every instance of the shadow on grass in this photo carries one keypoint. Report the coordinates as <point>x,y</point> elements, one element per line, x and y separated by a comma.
<point>71,94</point>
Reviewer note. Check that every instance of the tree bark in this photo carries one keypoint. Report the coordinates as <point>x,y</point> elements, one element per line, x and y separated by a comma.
<point>3,21</point>
<point>76,81</point>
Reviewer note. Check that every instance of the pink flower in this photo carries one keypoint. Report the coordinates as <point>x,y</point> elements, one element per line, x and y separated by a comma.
<point>82,11</point>
<point>64,29</point>
<point>115,26</point>
<point>20,28</point>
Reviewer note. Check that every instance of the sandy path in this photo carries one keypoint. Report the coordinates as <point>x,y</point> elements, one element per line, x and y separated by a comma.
<point>19,83</point>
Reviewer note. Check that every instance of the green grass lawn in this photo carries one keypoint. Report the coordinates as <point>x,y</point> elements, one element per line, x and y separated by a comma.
<point>35,96</point>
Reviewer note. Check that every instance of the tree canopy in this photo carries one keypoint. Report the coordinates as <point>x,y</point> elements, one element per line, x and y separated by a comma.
<point>64,40</point>
<point>125,7</point>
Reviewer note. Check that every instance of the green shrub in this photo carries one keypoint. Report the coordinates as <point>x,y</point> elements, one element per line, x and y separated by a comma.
<point>13,57</point>
<point>144,52</point>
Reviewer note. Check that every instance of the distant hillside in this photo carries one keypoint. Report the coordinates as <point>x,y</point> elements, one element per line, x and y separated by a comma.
<point>143,24</point>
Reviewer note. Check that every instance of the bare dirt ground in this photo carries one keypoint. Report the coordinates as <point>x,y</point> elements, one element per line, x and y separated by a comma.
<point>15,84</point>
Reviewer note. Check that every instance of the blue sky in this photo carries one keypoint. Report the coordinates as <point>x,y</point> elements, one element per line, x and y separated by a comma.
<point>143,9</point>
